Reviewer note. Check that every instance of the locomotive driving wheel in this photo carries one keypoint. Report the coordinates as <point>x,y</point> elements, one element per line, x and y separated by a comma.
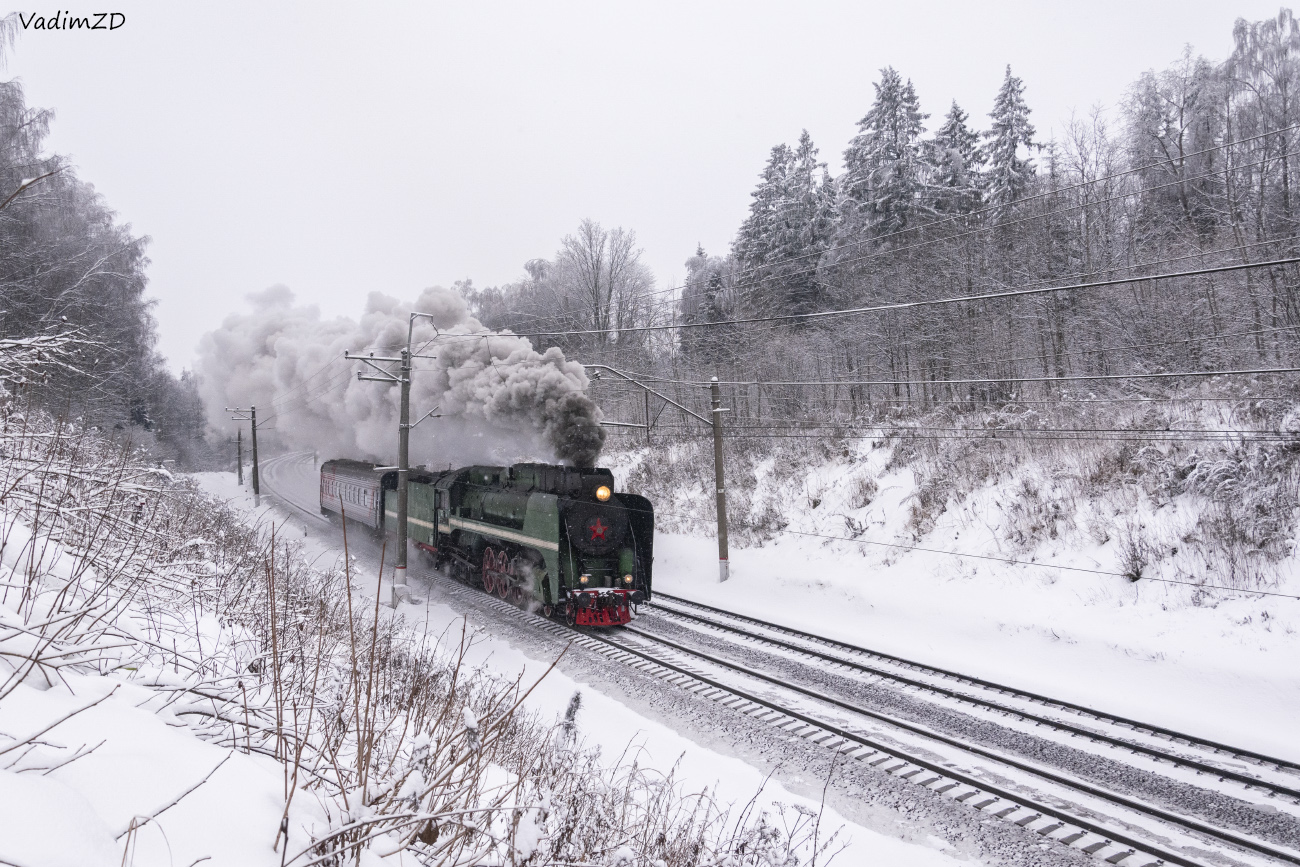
<point>489,564</point>
<point>522,582</point>
<point>505,586</point>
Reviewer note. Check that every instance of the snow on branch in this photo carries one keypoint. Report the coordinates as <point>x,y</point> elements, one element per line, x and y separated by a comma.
<point>142,591</point>
<point>28,359</point>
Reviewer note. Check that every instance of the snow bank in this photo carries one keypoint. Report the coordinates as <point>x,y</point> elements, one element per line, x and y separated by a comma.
<point>1017,577</point>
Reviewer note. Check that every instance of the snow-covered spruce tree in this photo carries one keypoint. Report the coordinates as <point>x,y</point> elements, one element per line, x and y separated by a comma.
<point>790,223</point>
<point>805,225</point>
<point>807,211</point>
<point>884,167</point>
<point>957,159</point>
<point>756,237</point>
<point>1011,135</point>
<point>707,296</point>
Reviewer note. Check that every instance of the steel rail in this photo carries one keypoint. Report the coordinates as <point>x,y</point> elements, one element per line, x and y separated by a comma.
<point>933,767</point>
<point>1017,800</point>
<point>1083,710</point>
<point>1201,767</point>
<point>1146,809</point>
<point>270,472</point>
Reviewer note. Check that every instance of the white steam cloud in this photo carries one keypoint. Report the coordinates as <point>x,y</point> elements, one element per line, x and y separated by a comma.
<point>500,400</point>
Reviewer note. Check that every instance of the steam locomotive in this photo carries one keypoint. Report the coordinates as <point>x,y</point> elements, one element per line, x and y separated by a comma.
<point>558,538</point>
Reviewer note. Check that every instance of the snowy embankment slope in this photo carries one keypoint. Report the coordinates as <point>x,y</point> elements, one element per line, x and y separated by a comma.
<point>102,768</point>
<point>617,730</point>
<point>1221,664</point>
<point>161,774</point>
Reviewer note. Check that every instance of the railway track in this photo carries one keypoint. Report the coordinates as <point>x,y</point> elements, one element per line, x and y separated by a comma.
<point>1111,826</point>
<point>1274,777</point>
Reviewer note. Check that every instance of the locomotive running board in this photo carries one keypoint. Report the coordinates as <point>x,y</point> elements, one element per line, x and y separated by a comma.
<point>502,533</point>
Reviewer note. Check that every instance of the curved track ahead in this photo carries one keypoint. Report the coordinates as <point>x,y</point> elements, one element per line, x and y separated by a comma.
<point>1109,825</point>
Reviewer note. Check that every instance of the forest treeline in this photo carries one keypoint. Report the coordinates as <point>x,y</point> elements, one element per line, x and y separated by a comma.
<point>1192,172</point>
<point>77,334</point>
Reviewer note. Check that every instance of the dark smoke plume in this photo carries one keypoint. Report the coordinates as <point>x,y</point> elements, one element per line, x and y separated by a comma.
<point>576,434</point>
<point>501,401</point>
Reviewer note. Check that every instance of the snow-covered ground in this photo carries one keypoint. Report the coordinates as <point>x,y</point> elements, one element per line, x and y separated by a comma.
<point>144,758</point>
<point>1223,668</point>
<point>1221,664</point>
<point>212,805</point>
<point>617,729</point>
<point>141,787</point>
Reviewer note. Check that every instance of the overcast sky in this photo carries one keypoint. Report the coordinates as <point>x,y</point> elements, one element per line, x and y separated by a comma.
<point>340,149</point>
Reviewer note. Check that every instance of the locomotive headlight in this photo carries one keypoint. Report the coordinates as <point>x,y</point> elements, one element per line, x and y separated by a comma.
<point>583,579</point>
<point>602,493</point>
<point>627,579</point>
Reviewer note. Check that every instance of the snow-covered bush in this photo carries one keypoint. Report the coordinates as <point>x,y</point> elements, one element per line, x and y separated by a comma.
<point>1070,474</point>
<point>387,739</point>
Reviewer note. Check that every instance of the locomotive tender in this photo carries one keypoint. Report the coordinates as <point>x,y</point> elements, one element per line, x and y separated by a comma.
<point>557,537</point>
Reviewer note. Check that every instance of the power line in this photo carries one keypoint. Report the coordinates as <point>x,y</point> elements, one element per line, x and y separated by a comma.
<point>1105,349</point>
<point>343,376</point>
<point>1036,196</point>
<point>920,383</point>
<point>742,283</point>
<point>887,429</point>
<point>1064,401</point>
<point>909,305</point>
<point>1237,249</point>
<point>303,382</point>
<point>961,554</point>
<point>1018,221</point>
<point>1012,562</point>
<point>990,362</point>
<point>877,254</point>
<point>335,380</point>
<point>1007,435</point>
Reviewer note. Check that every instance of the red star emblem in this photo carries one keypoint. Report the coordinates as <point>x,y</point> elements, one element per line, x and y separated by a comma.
<point>598,531</point>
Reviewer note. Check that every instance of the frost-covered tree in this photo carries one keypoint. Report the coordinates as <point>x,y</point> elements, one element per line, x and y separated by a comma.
<point>805,216</point>
<point>702,299</point>
<point>759,234</point>
<point>707,296</point>
<point>791,221</point>
<point>1174,119</point>
<point>956,158</point>
<point>1009,142</point>
<point>601,281</point>
<point>884,170</point>
<point>68,266</point>
<point>1265,70</point>
<point>804,230</point>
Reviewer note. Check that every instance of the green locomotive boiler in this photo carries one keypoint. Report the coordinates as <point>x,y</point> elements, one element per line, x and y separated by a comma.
<point>559,538</point>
